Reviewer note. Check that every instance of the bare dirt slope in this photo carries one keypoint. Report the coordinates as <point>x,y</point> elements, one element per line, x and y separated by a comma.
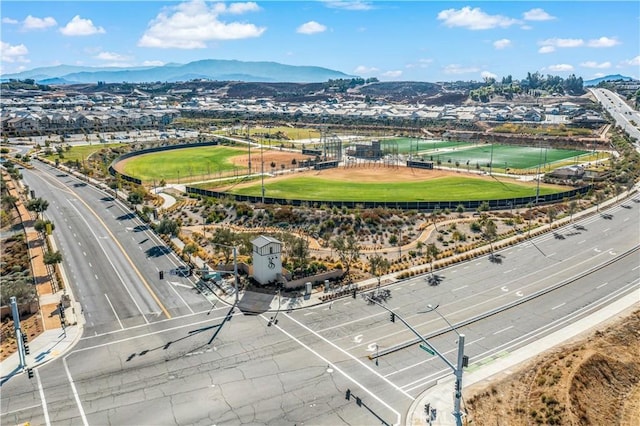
<point>595,381</point>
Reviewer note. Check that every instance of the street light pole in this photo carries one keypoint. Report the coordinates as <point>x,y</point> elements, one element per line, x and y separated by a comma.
<point>461,361</point>
<point>459,367</point>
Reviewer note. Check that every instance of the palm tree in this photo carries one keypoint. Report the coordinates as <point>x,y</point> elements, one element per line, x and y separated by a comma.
<point>37,205</point>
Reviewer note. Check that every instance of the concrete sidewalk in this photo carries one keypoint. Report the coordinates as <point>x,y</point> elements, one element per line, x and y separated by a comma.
<point>44,348</point>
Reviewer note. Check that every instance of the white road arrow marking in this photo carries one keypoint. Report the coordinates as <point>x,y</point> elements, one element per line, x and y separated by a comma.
<point>179,284</point>
<point>504,288</point>
<point>357,339</point>
<point>519,293</point>
<point>372,347</point>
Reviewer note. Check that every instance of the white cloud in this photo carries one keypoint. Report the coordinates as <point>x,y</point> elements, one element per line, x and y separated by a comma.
<point>13,53</point>
<point>9,21</point>
<point>537,14</point>
<point>560,67</point>
<point>240,8</point>
<point>191,25</point>
<point>562,42</point>
<point>348,4</point>
<point>487,74</point>
<point>111,56</point>
<point>392,74</point>
<point>594,64</point>
<point>33,23</point>
<point>362,69</point>
<point>551,44</point>
<point>81,27</point>
<point>311,27</point>
<point>457,69</point>
<point>633,61</point>
<point>603,42</point>
<point>152,63</point>
<point>503,43</point>
<point>422,63</point>
<point>474,19</point>
<point>599,74</point>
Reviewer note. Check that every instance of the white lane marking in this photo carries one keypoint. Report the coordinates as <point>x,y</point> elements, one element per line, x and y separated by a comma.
<point>179,296</point>
<point>602,285</point>
<point>112,265</point>
<point>308,313</point>
<point>350,356</point>
<point>635,268</point>
<point>459,288</point>
<point>504,329</point>
<point>508,271</point>
<point>114,311</point>
<point>582,242</point>
<point>336,368</point>
<point>44,401</point>
<point>90,265</point>
<point>558,306</point>
<point>75,392</point>
<point>606,230</point>
<point>347,303</point>
<point>96,276</point>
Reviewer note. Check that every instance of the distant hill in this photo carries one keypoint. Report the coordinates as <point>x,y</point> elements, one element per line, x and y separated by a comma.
<point>613,77</point>
<point>209,69</point>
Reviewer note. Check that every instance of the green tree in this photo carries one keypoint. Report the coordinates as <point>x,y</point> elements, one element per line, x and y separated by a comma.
<point>190,249</point>
<point>41,225</point>
<point>300,252</point>
<point>490,232</point>
<point>432,254</point>
<point>348,250</point>
<point>551,214</point>
<point>571,209</point>
<point>51,257</point>
<point>37,205</point>
<point>136,196</point>
<point>224,240</point>
<point>378,266</point>
<point>168,227</point>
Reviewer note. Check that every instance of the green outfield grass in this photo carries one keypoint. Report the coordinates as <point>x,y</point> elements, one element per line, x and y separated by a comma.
<point>81,152</point>
<point>182,163</point>
<point>445,188</point>
<point>417,146</point>
<point>514,157</point>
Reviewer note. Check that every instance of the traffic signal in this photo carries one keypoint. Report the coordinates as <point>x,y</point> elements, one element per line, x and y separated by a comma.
<point>161,273</point>
<point>348,395</point>
<point>354,293</point>
<point>358,401</point>
<point>61,310</point>
<point>393,317</point>
<point>30,373</point>
<point>465,361</point>
<point>26,350</point>
<point>24,338</point>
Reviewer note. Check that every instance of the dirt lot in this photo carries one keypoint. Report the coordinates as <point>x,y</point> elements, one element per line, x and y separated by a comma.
<point>592,381</point>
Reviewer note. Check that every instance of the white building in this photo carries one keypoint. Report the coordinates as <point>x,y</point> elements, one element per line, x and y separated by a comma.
<point>267,259</point>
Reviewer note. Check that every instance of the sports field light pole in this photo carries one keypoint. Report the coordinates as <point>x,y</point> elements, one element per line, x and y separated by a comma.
<point>462,359</point>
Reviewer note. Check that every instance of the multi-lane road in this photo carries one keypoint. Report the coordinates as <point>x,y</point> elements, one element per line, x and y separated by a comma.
<point>147,354</point>
<point>626,117</point>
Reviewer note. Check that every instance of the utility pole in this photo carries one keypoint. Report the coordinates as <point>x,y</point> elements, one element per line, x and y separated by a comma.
<point>462,360</point>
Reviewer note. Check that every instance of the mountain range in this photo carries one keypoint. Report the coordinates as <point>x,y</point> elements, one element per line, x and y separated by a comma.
<point>612,77</point>
<point>208,69</point>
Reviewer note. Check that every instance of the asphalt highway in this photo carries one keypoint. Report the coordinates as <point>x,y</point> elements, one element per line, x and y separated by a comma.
<point>202,364</point>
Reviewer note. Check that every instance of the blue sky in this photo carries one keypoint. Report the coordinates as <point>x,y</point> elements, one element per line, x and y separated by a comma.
<point>390,40</point>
